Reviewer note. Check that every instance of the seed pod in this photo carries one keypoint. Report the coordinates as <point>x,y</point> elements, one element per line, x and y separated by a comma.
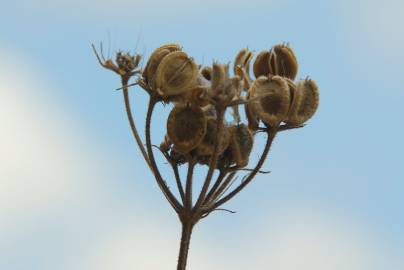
<point>186,127</point>
<point>305,102</point>
<point>261,64</point>
<point>207,73</point>
<point>198,96</point>
<point>243,59</point>
<point>220,76</point>
<point>175,74</point>
<point>207,146</point>
<point>283,62</point>
<point>270,99</point>
<point>149,72</point>
<point>253,121</point>
<point>241,144</point>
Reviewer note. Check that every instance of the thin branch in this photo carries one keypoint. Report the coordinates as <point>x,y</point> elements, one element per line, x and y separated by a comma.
<point>215,186</point>
<point>221,189</point>
<point>218,209</point>
<point>188,185</point>
<point>288,127</point>
<point>270,138</point>
<point>178,181</point>
<point>163,186</point>
<point>132,122</point>
<point>235,168</point>
<point>213,159</point>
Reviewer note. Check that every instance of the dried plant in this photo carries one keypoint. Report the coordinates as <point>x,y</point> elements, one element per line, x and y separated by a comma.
<point>197,129</point>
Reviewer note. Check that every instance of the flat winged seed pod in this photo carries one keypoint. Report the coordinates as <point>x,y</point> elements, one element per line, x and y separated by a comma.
<point>175,74</point>
<point>207,145</point>
<point>186,127</point>
<point>283,62</point>
<point>305,102</point>
<point>243,59</point>
<point>261,64</point>
<point>241,144</point>
<point>151,67</point>
<point>270,99</point>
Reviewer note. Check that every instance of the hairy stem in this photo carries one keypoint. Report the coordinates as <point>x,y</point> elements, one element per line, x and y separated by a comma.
<point>131,121</point>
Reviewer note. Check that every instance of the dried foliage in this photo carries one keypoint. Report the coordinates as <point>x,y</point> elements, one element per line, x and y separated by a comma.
<point>198,131</point>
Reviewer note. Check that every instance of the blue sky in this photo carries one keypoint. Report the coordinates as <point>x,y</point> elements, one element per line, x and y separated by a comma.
<point>75,193</point>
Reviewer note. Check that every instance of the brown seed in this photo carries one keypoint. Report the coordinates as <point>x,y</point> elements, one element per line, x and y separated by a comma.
<point>155,59</point>
<point>305,102</point>
<point>186,127</point>
<point>242,60</point>
<point>270,99</point>
<point>175,74</point>
<point>283,62</point>
<point>261,64</point>
<point>241,144</point>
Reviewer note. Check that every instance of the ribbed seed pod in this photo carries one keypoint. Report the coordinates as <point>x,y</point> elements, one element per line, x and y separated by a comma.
<point>270,99</point>
<point>175,74</point>
<point>243,59</point>
<point>283,62</point>
<point>261,64</point>
<point>305,102</point>
<point>186,127</point>
<point>292,91</point>
<point>241,144</point>
<point>207,146</point>
<point>151,67</point>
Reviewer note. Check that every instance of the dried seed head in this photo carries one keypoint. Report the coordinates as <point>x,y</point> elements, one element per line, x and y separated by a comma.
<point>207,146</point>
<point>270,99</point>
<point>127,62</point>
<point>283,62</point>
<point>223,88</point>
<point>186,127</point>
<point>241,144</point>
<point>151,67</point>
<point>261,64</point>
<point>175,74</point>
<point>305,102</point>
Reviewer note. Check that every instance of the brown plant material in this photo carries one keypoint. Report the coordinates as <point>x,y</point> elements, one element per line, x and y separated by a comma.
<point>186,127</point>
<point>272,99</point>
<point>197,129</point>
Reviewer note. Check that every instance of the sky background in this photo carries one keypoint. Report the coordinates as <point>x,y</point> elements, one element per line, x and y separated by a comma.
<point>75,193</point>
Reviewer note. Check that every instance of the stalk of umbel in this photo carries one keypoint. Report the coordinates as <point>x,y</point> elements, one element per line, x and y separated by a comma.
<point>198,131</point>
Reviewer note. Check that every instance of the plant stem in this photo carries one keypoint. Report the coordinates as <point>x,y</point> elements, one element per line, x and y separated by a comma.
<point>184,245</point>
<point>132,122</point>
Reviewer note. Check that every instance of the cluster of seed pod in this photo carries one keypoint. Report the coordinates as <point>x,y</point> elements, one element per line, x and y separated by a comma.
<point>201,93</point>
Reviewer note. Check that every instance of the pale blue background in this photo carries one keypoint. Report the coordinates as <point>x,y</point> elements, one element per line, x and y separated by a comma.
<point>75,193</point>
